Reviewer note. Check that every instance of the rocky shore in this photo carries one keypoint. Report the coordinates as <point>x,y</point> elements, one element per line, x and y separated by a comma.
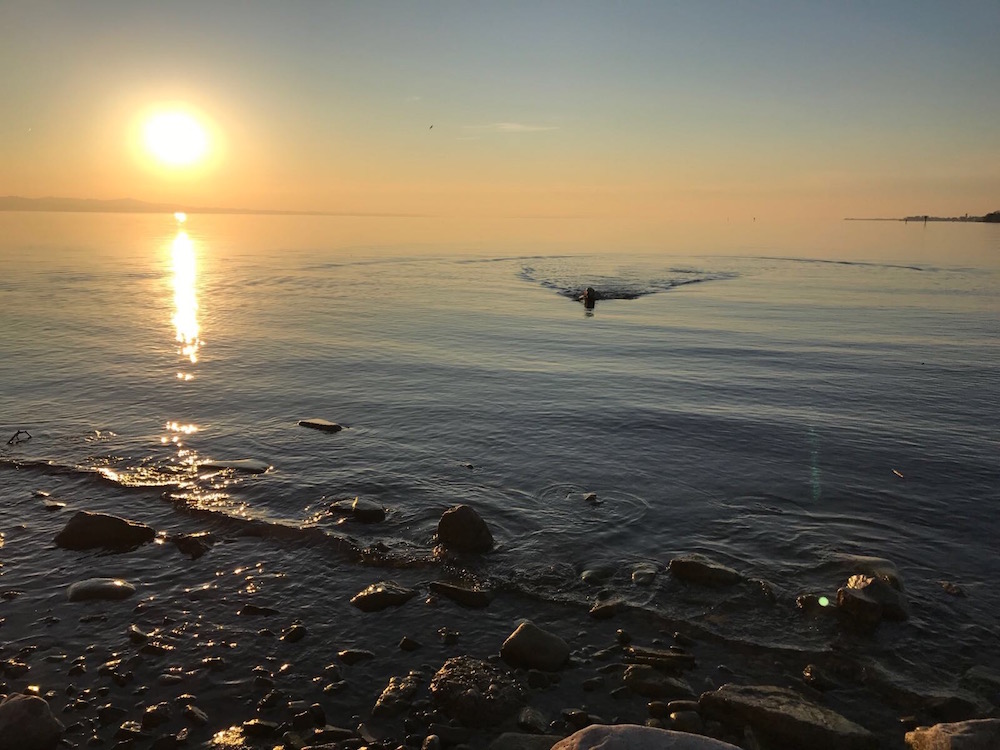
<point>431,654</point>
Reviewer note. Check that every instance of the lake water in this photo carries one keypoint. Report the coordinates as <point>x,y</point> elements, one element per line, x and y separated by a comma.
<point>815,392</point>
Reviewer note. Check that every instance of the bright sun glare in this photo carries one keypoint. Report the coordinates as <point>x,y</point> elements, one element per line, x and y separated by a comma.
<point>176,139</point>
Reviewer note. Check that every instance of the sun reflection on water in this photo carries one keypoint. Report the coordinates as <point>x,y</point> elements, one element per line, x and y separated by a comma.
<point>185,317</point>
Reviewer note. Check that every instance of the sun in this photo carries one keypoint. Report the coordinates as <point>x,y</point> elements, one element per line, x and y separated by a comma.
<point>176,139</point>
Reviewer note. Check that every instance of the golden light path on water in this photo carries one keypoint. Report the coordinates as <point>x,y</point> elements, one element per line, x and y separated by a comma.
<point>185,318</point>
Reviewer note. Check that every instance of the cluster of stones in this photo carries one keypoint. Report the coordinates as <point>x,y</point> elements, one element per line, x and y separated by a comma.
<point>467,694</point>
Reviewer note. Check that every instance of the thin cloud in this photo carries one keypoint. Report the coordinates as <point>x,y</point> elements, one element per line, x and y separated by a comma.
<point>516,127</point>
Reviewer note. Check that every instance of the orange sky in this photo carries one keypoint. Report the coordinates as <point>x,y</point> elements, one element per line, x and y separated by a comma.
<point>647,114</point>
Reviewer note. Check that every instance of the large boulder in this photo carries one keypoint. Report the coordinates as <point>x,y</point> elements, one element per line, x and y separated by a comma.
<point>785,717</point>
<point>634,737</point>
<point>87,530</point>
<point>464,530</point>
<point>866,600</point>
<point>105,589</point>
<point>699,569</point>
<point>475,692</point>
<point>26,723</point>
<point>981,734</point>
<point>531,647</point>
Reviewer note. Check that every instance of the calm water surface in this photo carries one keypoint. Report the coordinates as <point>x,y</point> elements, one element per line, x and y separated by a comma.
<point>809,395</point>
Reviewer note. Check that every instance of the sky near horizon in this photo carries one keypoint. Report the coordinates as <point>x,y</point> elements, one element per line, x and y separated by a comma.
<point>641,111</point>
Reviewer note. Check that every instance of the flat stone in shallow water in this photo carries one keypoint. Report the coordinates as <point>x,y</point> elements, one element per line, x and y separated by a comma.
<point>462,593</point>
<point>784,716</point>
<point>324,425</point>
<point>26,723</point>
<point>699,569</point>
<point>633,737</point>
<point>107,589</point>
<point>981,734</point>
<point>380,595</point>
<point>86,530</point>
<point>249,465</point>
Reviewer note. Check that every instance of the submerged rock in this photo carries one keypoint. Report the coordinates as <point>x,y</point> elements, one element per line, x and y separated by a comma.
<point>461,528</point>
<point>107,589</point>
<point>323,425</point>
<point>475,692</point>
<point>699,569</point>
<point>86,530</point>
<point>27,723</point>
<point>380,595</point>
<point>634,737</point>
<point>194,545</point>
<point>784,716</point>
<point>531,647</point>
<point>980,734</point>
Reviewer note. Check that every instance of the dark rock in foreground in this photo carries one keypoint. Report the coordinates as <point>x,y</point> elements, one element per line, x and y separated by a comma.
<point>633,737</point>
<point>785,717</point>
<point>87,530</point>
<point>530,646</point>
<point>701,570</point>
<point>648,681</point>
<point>518,741</point>
<point>323,425</point>
<point>982,734</point>
<point>476,692</point>
<point>106,589</point>
<point>464,530</point>
<point>26,723</point>
<point>380,595</point>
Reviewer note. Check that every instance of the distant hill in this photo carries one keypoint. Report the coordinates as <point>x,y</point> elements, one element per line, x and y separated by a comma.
<point>132,206</point>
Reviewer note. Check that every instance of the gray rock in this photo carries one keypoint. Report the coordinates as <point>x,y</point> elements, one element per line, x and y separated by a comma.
<point>367,511</point>
<point>464,530</point>
<point>87,530</point>
<point>532,720</point>
<point>784,716</point>
<point>981,734</point>
<point>475,692</point>
<point>397,696</point>
<point>699,569</point>
<point>26,723</point>
<point>633,737</point>
<point>515,741</point>
<point>380,595</point>
<point>324,425</point>
<point>531,647</point>
<point>650,682</point>
<point>106,589</point>
<point>465,595</point>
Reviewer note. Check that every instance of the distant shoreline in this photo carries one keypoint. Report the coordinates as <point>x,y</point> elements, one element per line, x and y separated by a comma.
<point>991,218</point>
